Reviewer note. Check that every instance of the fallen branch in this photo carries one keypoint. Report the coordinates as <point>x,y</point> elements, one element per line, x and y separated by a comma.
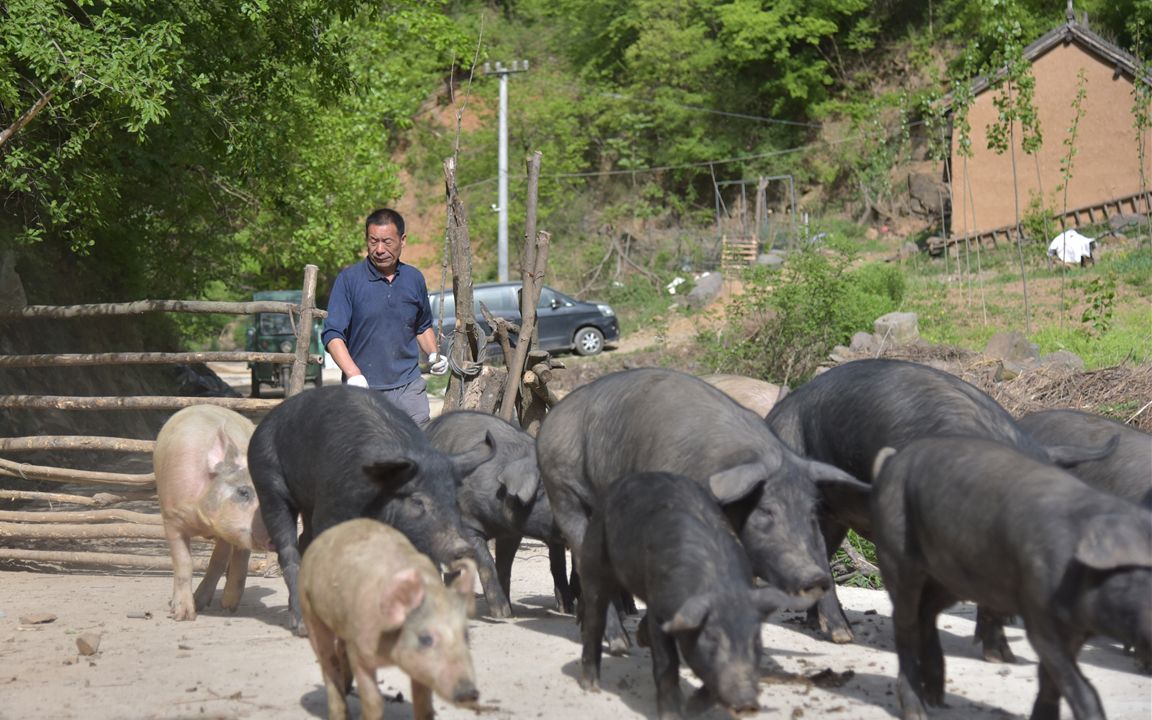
<point>51,474</point>
<point>257,565</point>
<point>81,516</point>
<point>58,531</point>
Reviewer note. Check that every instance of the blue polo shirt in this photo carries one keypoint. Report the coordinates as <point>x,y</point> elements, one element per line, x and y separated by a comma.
<point>379,320</point>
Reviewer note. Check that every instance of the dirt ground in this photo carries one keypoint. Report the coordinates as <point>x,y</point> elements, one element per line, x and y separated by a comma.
<point>248,665</point>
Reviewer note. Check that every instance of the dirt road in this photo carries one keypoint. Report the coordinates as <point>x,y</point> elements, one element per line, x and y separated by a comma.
<point>248,665</point>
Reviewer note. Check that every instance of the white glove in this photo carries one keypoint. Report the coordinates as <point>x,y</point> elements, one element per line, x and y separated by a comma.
<point>437,364</point>
<point>358,381</point>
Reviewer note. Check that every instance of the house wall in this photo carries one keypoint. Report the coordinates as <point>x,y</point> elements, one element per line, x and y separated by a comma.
<point>1106,165</point>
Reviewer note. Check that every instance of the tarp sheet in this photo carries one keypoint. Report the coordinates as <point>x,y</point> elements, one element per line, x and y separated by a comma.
<point>1070,246</point>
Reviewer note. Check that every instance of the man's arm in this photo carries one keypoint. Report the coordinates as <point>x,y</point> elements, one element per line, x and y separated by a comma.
<point>426,340</point>
<point>343,359</point>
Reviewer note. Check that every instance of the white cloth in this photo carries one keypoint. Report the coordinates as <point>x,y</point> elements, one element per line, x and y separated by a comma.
<point>358,381</point>
<point>1069,246</point>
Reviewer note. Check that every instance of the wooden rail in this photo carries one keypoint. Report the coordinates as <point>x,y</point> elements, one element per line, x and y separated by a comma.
<point>44,524</point>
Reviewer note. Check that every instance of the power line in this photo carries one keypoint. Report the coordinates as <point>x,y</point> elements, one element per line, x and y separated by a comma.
<point>744,116</point>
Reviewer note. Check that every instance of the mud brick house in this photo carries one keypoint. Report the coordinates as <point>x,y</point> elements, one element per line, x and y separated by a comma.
<point>1106,179</point>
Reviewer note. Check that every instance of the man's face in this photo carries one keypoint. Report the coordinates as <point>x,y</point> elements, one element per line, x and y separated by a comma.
<point>384,247</point>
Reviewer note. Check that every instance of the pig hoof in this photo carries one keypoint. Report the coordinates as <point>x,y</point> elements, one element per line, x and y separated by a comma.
<point>999,653</point>
<point>589,684</point>
<point>181,614</point>
<point>499,612</point>
<point>842,635</point>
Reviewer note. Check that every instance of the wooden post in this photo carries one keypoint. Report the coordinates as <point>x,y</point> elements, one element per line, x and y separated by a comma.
<point>534,257</point>
<point>465,339</point>
<point>304,322</point>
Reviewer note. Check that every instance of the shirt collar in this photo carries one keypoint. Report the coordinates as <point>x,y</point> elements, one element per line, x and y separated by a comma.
<point>375,274</point>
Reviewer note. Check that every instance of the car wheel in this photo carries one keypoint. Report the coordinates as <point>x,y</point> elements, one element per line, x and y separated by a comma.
<point>589,341</point>
<point>255,391</point>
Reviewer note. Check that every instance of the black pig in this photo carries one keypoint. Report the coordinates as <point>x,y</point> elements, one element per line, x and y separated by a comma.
<point>663,538</point>
<point>337,453</point>
<point>966,518</point>
<point>1127,472</point>
<point>846,415</point>
<point>654,419</point>
<point>501,499</point>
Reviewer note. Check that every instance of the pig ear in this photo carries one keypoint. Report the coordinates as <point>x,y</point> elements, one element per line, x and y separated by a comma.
<point>1112,541</point>
<point>466,462</point>
<point>768,600</point>
<point>1069,456</point>
<point>736,483</point>
<point>522,478</point>
<point>404,594</point>
<point>689,617</point>
<point>464,583</point>
<point>392,473</point>
<point>223,452</point>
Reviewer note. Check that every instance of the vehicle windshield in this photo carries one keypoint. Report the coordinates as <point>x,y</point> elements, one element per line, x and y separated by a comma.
<point>276,324</point>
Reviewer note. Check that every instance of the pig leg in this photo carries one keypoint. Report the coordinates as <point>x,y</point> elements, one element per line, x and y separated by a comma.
<point>421,702</point>
<point>934,599</point>
<point>558,565</point>
<point>990,634</point>
<point>827,614</point>
<point>333,664</point>
<point>498,605</point>
<point>506,548</point>
<point>1059,674</point>
<point>666,672</point>
<point>179,546</point>
<point>363,669</point>
<point>217,564</point>
<point>596,589</point>
<point>237,577</point>
<point>280,520</point>
<point>905,586</point>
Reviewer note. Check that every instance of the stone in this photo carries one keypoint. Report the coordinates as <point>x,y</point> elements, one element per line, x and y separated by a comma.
<point>1063,359</point>
<point>88,643</point>
<point>707,287</point>
<point>897,328</point>
<point>863,342</point>
<point>40,618</point>
<point>771,259</point>
<point>1012,346</point>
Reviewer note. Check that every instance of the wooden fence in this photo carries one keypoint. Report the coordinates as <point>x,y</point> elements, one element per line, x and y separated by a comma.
<point>101,519</point>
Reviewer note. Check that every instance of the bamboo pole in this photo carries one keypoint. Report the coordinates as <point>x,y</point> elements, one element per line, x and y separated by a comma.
<point>256,565</point>
<point>80,516</point>
<point>76,442</point>
<point>137,402</point>
<point>140,307</point>
<point>96,500</point>
<point>52,474</point>
<point>147,358</point>
<point>53,531</point>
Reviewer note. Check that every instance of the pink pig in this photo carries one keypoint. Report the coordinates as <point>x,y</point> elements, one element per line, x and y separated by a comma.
<point>369,599</point>
<point>201,465</point>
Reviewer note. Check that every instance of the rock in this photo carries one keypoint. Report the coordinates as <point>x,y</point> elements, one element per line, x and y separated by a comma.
<point>863,342</point>
<point>909,250</point>
<point>771,259</point>
<point>897,328</point>
<point>42,618</point>
<point>88,643</point>
<point>926,194</point>
<point>1063,360</point>
<point>707,288</point>
<point>1119,222</point>
<point>1010,370</point>
<point>1012,347</point>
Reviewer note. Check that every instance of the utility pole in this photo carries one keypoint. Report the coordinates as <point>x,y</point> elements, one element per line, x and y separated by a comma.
<point>502,200</point>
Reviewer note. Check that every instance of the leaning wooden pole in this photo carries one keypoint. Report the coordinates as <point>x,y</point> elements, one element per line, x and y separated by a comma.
<point>304,322</point>
<point>531,277</point>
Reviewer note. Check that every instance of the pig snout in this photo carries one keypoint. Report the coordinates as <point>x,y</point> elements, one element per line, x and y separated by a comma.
<point>465,692</point>
<point>738,691</point>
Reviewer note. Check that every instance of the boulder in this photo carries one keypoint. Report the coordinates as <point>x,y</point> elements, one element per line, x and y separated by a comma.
<point>1012,347</point>
<point>897,328</point>
<point>707,287</point>
<point>926,195</point>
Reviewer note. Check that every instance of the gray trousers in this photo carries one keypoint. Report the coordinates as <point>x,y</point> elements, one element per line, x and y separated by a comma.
<point>412,399</point>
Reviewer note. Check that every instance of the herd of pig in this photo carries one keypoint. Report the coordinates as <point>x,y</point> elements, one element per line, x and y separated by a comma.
<point>666,489</point>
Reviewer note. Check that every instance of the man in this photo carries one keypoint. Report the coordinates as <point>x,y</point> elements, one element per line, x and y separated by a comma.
<point>379,319</point>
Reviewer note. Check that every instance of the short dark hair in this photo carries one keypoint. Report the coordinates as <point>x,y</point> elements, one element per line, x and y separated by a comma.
<point>385,216</point>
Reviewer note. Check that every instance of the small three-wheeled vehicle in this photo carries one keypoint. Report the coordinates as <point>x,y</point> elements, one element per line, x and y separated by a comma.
<point>274,332</point>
